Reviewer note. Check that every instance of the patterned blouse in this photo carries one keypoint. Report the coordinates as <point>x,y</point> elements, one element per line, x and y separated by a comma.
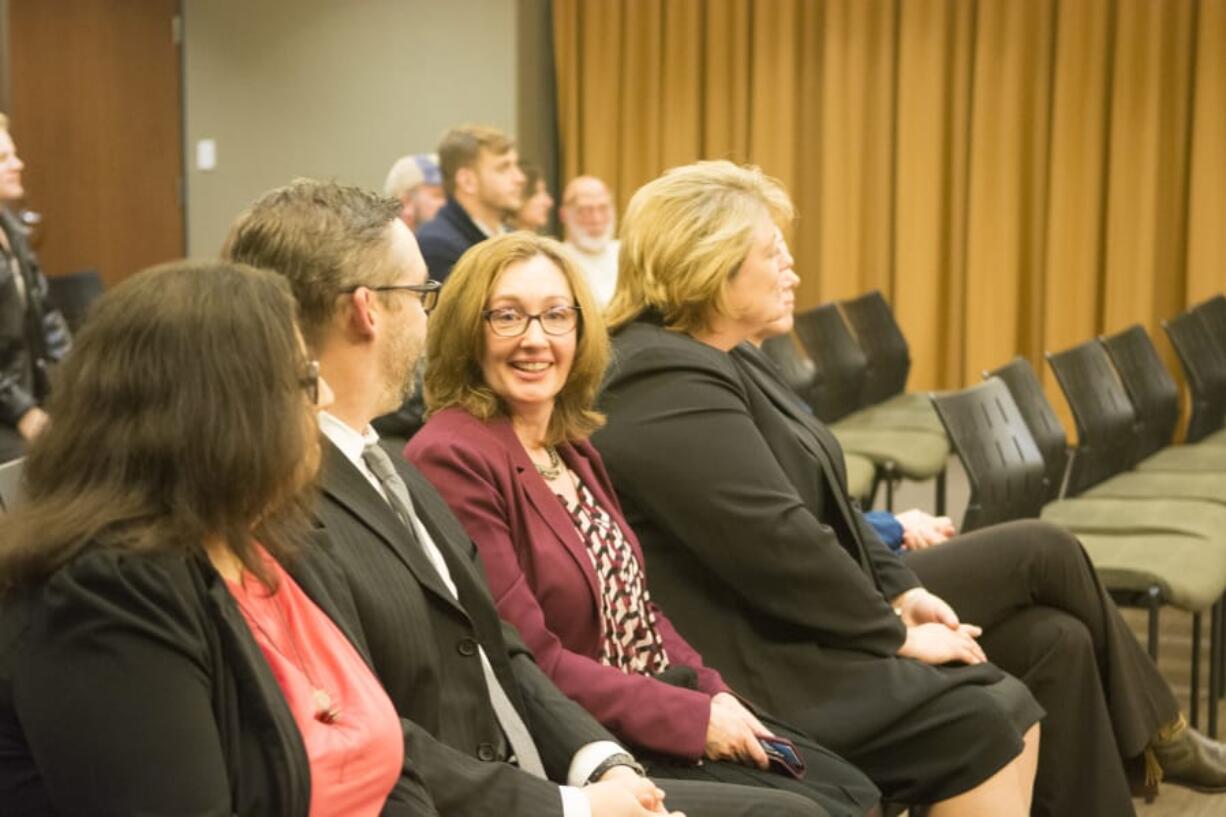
<point>631,642</point>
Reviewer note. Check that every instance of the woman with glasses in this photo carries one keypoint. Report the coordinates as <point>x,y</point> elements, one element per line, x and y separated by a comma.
<point>517,349</point>
<point>155,658</point>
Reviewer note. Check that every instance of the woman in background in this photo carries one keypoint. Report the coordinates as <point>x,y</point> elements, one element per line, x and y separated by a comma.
<point>154,656</point>
<point>533,215</point>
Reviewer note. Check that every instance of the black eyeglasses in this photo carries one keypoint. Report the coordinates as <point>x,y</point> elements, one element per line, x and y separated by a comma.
<point>310,382</point>
<point>427,292</point>
<point>508,322</point>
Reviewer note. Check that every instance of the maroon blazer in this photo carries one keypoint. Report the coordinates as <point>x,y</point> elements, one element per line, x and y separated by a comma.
<point>543,581</point>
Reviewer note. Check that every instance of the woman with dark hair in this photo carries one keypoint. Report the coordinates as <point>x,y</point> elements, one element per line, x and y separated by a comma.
<point>155,658</point>
<point>533,214</point>
<point>517,351</point>
<point>741,504</point>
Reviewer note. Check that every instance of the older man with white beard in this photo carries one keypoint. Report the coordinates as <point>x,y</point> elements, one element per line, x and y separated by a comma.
<point>589,222</point>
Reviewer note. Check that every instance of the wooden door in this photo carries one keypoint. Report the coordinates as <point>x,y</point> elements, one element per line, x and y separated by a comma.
<point>96,112</point>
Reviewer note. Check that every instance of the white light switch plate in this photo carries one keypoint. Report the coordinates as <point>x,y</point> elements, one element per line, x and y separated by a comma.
<point>206,154</point>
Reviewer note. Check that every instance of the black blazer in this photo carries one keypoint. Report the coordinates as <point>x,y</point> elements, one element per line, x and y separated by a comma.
<point>130,684</point>
<point>753,546</point>
<point>444,238</point>
<point>422,642</point>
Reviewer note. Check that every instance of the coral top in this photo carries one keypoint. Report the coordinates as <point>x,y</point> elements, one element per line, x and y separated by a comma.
<point>349,727</point>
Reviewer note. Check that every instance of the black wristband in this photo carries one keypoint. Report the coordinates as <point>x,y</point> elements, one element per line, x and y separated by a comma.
<point>619,759</point>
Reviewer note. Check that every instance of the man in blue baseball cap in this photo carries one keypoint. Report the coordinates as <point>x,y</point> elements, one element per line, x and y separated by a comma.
<point>417,182</point>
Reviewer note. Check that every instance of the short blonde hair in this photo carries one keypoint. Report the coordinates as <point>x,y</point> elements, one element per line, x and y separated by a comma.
<point>684,235</point>
<point>4,122</point>
<point>455,344</point>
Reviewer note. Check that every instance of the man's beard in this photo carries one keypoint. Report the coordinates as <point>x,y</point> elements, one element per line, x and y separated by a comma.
<point>400,370</point>
<point>593,244</point>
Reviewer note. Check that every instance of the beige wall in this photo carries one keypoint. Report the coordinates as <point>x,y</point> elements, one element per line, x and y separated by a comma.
<point>332,89</point>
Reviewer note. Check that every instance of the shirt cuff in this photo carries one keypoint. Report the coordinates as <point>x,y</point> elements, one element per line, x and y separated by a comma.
<point>574,803</point>
<point>588,758</point>
<point>888,528</point>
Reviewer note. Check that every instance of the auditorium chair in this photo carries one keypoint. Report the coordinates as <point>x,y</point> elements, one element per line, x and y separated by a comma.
<point>1161,563</point>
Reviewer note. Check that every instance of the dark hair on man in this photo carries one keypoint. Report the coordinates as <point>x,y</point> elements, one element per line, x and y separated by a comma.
<point>322,236</point>
<point>178,419</point>
<point>462,146</point>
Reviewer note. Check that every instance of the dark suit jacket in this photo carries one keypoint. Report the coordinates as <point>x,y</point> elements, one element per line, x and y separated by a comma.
<point>423,646</point>
<point>544,583</point>
<point>753,545</point>
<point>444,238</point>
<point>130,684</point>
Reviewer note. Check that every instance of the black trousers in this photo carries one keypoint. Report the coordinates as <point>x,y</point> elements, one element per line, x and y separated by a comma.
<point>1048,621</point>
<point>695,797</point>
<point>830,784</point>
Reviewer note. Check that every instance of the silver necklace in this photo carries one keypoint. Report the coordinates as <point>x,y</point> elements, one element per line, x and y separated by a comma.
<point>554,469</point>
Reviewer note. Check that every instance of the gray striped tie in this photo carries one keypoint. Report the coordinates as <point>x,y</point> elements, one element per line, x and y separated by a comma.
<point>512,724</point>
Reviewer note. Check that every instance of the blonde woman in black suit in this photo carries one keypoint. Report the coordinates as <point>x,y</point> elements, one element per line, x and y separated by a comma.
<point>754,550</point>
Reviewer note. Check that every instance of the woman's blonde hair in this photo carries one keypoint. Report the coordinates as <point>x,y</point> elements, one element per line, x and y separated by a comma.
<point>455,344</point>
<point>684,235</point>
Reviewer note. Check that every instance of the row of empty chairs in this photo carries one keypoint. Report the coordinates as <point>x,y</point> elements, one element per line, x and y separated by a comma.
<point>853,374</point>
<point>1151,513</point>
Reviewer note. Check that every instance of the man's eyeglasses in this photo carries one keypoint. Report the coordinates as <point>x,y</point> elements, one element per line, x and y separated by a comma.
<point>427,292</point>
<point>509,322</point>
<point>310,382</point>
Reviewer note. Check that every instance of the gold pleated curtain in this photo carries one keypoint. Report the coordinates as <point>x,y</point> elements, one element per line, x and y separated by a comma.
<point>1015,175</point>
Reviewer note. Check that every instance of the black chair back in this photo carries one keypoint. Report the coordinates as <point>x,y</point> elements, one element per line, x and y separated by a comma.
<point>885,347</point>
<point>797,370</point>
<point>1213,313</point>
<point>1003,465</point>
<point>1151,389</point>
<point>839,362</point>
<point>1106,421</point>
<point>1045,428</point>
<point>73,294</point>
<point>1204,365</point>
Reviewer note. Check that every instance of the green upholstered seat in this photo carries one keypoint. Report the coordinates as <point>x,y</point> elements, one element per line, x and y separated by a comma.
<point>1209,486</point>
<point>1151,516</point>
<point>1199,458</point>
<point>916,454</point>
<point>905,412</point>
<point>860,473</point>
<point>1189,571</point>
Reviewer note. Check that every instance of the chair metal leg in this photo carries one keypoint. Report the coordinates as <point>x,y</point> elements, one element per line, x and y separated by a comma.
<point>1153,598</point>
<point>872,492</point>
<point>1221,653</point>
<point>1194,698</point>
<point>890,474</point>
<point>1215,665</point>
<point>941,493</point>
